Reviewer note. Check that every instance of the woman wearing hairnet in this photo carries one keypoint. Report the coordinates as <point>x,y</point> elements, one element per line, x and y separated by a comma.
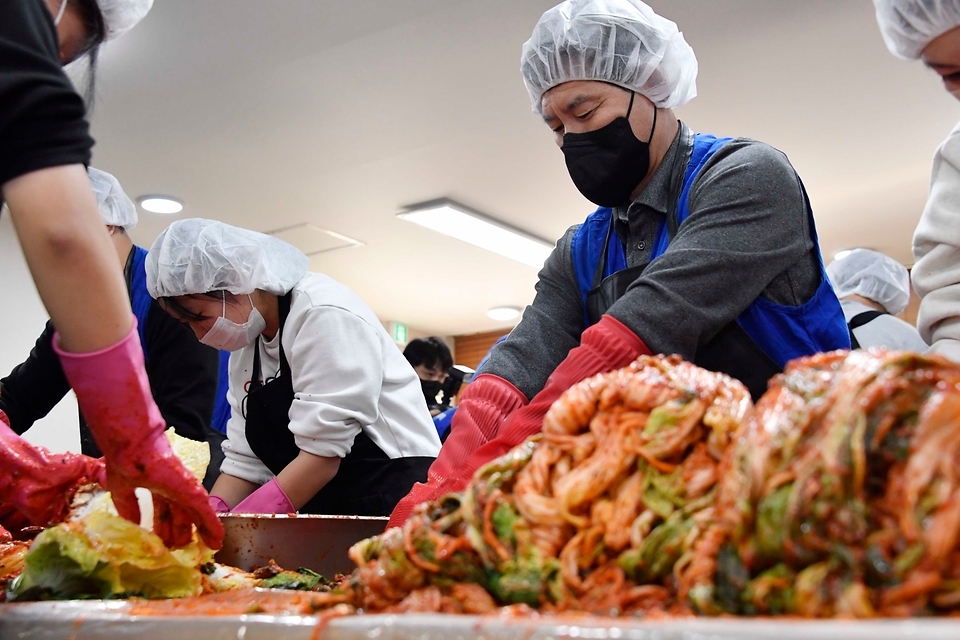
<point>327,415</point>
<point>873,288</point>
<point>702,246</point>
<point>44,147</point>
<point>182,373</point>
<point>930,30</point>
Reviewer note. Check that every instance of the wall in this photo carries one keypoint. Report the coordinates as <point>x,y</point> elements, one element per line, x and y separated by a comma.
<point>22,318</point>
<point>470,349</point>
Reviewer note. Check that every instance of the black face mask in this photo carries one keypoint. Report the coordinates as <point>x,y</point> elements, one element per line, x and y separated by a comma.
<point>607,164</point>
<point>430,390</point>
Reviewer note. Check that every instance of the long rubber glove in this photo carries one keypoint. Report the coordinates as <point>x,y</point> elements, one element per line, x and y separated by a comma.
<point>270,498</point>
<point>36,486</point>
<point>218,504</point>
<point>485,403</point>
<point>114,395</point>
<point>605,346</point>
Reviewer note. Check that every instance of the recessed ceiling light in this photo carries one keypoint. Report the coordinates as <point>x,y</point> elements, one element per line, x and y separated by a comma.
<point>450,219</point>
<point>843,253</point>
<point>503,313</point>
<point>160,204</point>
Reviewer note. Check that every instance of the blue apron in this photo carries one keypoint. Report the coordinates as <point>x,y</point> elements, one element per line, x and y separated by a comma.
<point>140,299</point>
<point>761,340</point>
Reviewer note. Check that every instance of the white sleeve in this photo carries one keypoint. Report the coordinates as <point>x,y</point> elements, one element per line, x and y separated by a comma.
<point>336,361</point>
<point>238,459</point>
<point>936,248</point>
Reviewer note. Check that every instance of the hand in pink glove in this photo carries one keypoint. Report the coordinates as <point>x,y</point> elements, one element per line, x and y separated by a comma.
<point>605,346</point>
<point>114,395</point>
<point>36,486</point>
<point>270,498</point>
<point>218,504</point>
<point>485,403</point>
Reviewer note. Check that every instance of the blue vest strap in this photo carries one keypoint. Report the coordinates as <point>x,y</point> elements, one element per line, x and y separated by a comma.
<point>140,299</point>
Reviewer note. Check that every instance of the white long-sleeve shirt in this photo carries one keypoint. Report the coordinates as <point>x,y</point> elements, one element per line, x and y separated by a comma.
<point>348,376</point>
<point>885,331</point>
<point>936,248</point>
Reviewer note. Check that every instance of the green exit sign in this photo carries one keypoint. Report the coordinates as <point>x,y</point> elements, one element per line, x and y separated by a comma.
<point>399,332</point>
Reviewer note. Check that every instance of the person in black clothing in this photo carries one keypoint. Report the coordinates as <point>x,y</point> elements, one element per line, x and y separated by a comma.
<point>45,146</point>
<point>182,372</point>
<point>432,360</point>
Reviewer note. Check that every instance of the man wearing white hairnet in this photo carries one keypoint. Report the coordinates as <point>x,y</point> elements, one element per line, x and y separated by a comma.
<point>326,414</point>
<point>182,372</point>
<point>873,288</point>
<point>702,246</point>
<point>929,30</point>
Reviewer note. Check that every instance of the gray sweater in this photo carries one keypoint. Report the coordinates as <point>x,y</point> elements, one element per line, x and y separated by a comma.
<point>747,236</point>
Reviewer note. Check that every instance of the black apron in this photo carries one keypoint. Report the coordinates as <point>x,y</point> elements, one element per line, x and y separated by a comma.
<point>368,483</point>
<point>731,351</point>
<point>858,321</point>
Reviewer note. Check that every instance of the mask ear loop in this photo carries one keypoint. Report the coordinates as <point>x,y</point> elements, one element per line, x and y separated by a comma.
<point>63,9</point>
<point>633,94</point>
<point>223,296</point>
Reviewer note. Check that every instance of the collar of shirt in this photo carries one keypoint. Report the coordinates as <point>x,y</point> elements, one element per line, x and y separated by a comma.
<point>656,195</point>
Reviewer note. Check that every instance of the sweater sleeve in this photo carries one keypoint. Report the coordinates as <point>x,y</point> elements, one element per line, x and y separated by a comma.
<point>336,362</point>
<point>35,386</point>
<point>183,374</point>
<point>936,248</point>
<point>747,226</point>
<point>550,327</point>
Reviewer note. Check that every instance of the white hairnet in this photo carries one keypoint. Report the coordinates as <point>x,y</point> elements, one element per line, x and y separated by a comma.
<point>115,207</point>
<point>619,41</point>
<point>872,275</point>
<point>200,256</point>
<point>119,16</point>
<point>908,26</point>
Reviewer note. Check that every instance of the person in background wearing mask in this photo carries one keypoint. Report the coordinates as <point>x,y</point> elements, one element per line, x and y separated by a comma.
<point>327,417</point>
<point>929,30</point>
<point>182,372</point>
<point>431,359</point>
<point>702,246</point>
<point>44,147</point>
<point>873,288</point>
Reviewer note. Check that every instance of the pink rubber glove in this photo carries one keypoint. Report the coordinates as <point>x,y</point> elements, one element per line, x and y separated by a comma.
<point>219,504</point>
<point>114,395</point>
<point>605,346</point>
<point>484,405</point>
<point>270,498</point>
<point>36,486</point>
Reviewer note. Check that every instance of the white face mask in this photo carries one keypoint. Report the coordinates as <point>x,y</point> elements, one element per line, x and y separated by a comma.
<point>63,8</point>
<point>227,335</point>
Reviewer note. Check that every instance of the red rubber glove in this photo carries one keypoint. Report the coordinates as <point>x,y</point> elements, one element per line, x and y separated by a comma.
<point>484,405</point>
<point>605,346</point>
<point>36,486</point>
<point>270,498</point>
<point>114,395</point>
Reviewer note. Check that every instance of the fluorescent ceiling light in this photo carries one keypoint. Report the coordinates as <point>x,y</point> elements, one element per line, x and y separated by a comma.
<point>482,232</point>
<point>843,253</point>
<point>503,313</point>
<point>160,204</point>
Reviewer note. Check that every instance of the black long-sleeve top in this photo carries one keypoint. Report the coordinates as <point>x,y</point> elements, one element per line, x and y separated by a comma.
<point>182,373</point>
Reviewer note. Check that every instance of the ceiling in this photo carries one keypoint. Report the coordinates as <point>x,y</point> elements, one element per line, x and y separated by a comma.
<point>339,113</point>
